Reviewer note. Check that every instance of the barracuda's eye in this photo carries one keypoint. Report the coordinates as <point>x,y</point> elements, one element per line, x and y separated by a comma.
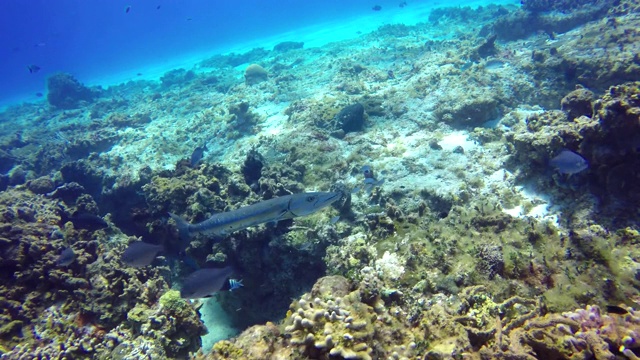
<point>311,198</point>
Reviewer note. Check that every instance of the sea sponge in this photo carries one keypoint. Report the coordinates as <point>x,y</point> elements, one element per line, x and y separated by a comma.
<point>255,74</point>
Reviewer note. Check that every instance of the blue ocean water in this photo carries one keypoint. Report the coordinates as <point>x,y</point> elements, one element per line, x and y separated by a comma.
<point>106,42</point>
<point>93,38</point>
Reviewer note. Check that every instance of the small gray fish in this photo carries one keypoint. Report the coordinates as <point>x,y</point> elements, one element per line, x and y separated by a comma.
<point>205,282</point>
<point>66,257</point>
<point>197,154</point>
<point>139,254</point>
<point>569,162</point>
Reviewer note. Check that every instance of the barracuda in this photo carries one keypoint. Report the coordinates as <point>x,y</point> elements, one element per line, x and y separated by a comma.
<point>273,210</point>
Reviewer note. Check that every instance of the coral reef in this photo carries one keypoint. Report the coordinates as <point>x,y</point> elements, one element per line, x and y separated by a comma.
<point>65,92</point>
<point>605,131</point>
<point>287,46</point>
<point>332,321</point>
<point>548,5</point>
<point>471,247</point>
<point>81,310</point>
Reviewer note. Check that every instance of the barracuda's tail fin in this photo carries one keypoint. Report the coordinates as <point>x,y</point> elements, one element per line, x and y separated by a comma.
<point>183,227</point>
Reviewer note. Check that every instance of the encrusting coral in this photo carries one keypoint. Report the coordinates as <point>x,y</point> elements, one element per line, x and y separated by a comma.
<point>333,322</point>
<point>86,309</point>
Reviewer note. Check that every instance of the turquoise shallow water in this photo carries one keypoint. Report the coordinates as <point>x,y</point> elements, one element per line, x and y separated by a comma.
<point>103,44</point>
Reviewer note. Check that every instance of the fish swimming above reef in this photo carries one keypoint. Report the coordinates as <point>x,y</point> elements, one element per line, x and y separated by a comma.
<point>197,154</point>
<point>33,69</point>
<point>66,257</point>
<point>569,162</point>
<point>204,283</point>
<point>376,8</point>
<point>140,254</point>
<point>272,210</point>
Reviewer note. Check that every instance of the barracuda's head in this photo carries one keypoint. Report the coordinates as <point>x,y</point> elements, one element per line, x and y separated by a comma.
<point>308,203</point>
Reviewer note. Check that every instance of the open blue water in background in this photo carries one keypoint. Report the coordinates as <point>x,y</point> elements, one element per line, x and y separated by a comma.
<point>100,43</point>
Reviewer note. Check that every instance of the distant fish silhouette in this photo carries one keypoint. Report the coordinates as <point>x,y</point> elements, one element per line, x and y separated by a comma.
<point>197,154</point>
<point>33,68</point>
<point>614,309</point>
<point>376,8</point>
<point>127,9</point>
<point>82,220</point>
<point>158,7</point>
<point>87,221</point>
<point>139,74</point>
<point>39,94</point>
<point>403,4</point>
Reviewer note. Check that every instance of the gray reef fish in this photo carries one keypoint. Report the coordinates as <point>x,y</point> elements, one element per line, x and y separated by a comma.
<point>272,210</point>
<point>569,162</point>
<point>197,154</point>
<point>140,254</point>
<point>66,257</point>
<point>205,282</point>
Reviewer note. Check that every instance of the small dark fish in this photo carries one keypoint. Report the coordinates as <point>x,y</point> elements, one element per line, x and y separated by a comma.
<point>614,309</point>
<point>33,69</point>
<point>569,162</point>
<point>140,254</point>
<point>127,9</point>
<point>66,257</point>
<point>87,221</point>
<point>369,180</point>
<point>367,171</point>
<point>197,154</point>
<point>205,282</point>
<point>376,8</point>
<point>390,74</point>
<point>189,19</point>
<point>139,74</point>
<point>158,7</point>
<point>403,4</point>
<point>39,94</point>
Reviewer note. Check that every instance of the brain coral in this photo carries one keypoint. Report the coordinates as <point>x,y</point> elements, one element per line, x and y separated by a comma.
<point>255,74</point>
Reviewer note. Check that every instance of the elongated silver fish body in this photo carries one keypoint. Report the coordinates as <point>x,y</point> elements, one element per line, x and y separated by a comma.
<point>272,210</point>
